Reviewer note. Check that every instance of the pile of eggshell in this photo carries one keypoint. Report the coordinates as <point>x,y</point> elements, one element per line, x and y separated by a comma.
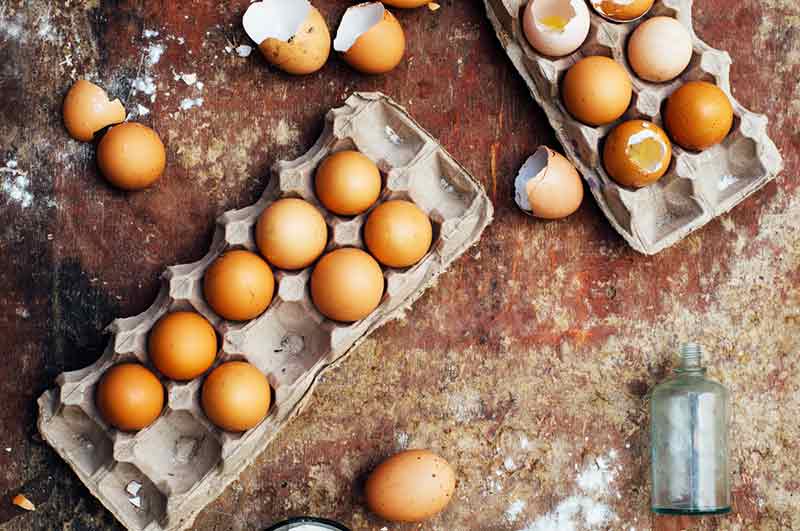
<point>293,36</point>
<point>597,91</point>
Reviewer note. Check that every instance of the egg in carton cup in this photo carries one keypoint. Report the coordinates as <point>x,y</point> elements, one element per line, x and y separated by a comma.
<point>697,186</point>
<point>160,478</point>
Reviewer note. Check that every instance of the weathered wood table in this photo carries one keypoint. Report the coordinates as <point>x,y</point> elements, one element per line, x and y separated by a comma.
<point>526,366</point>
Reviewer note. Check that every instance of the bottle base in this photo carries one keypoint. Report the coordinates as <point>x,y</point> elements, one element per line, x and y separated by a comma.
<point>692,512</point>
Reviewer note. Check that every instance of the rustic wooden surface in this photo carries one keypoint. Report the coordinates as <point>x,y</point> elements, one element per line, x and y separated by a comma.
<point>527,366</point>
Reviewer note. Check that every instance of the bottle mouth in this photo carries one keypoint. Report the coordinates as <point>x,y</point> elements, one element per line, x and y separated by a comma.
<point>691,357</point>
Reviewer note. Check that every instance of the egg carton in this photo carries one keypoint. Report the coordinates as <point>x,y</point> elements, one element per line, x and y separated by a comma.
<point>698,186</point>
<point>159,478</point>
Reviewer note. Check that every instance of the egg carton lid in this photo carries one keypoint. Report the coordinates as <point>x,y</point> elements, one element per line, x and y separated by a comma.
<point>698,186</point>
<point>160,478</point>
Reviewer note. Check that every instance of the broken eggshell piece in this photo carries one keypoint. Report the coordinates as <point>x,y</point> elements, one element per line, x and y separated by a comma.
<point>406,4</point>
<point>87,110</point>
<point>622,10</point>
<point>548,186</point>
<point>556,27</point>
<point>291,34</point>
<point>370,38</point>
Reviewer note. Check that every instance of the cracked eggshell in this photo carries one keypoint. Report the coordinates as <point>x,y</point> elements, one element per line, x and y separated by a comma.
<point>637,153</point>
<point>291,34</point>
<point>548,186</point>
<point>406,4</point>
<point>622,10</point>
<point>87,110</point>
<point>370,39</point>
<point>556,27</point>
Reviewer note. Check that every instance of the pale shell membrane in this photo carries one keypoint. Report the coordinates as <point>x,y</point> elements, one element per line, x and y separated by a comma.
<point>532,168</point>
<point>357,20</point>
<point>275,19</point>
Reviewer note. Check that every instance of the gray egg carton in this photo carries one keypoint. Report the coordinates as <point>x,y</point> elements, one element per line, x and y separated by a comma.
<point>698,186</point>
<point>159,478</point>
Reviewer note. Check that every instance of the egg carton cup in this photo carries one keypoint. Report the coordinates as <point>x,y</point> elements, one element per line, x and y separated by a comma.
<point>698,186</point>
<point>159,478</point>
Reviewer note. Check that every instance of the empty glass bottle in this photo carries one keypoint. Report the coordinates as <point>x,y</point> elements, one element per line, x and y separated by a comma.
<point>689,440</point>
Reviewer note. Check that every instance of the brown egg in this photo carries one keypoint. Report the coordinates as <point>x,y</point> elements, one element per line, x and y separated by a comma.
<point>622,10</point>
<point>373,42</point>
<point>637,153</point>
<point>548,186</point>
<point>411,486</point>
<point>236,396</point>
<point>597,90</point>
<point>398,233</point>
<point>238,285</point>
<point>347,284</point>
<point>129,397</point>
<point>131,156</point>
<point>87,110</point>
<point>291,233</point>
<point>182,345</point>
<point>406,4</point>
<point>305,52</point>
<point>698,115</point>
<point>347,183</point>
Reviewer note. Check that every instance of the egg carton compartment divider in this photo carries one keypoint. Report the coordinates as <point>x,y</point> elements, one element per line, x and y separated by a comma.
<point>160,478</point>
<point>698,186</point>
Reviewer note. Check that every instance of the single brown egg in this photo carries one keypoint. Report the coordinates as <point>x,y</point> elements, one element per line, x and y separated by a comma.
<point>347,183</point>
<point>182,345</point>
<point>131,156</point>
<point>347,284</point>
<point>87,110</point>
<point>238,285</point>
<point>291,233</point>
<point>698,115</point>
<point>637,153</point>
<point>398,233</point>
<point>371,38</point>
<point>129,397</point>
<point>236,396</point>
<point>597,90</point>
<point>292,36</point>
<point>548,186</point>
<point>411,486</point>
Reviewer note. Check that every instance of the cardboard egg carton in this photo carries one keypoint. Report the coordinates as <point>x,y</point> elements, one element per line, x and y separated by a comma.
<point>159,478</point>
<point>698,186</point>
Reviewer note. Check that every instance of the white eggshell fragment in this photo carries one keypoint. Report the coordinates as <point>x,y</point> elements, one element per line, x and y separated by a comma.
<point>556,27</point>
<point>660,49</point>
<point>276,19</point>
<point>357,20</point>
<point>548,186</point>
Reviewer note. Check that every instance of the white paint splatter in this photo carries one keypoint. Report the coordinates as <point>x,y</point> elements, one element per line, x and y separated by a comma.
<point>154,53</point>
<point>11,28</point>
<point>188,103</point>
<point>585,509</point>
<point>141,110</point>
<point>146,85</point>
<point>509,464</point>
<point>22,312</point>
<point>189,79</point>
<point>514,510</point>
<point>401,439</point>
<point>149,34</point>
<point>244,50</point>
<point>16,184</point>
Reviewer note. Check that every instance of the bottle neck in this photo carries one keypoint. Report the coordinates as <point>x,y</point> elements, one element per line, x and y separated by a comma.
<point>691,360</point>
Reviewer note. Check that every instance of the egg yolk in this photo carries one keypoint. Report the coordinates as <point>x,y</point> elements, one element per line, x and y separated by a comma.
<point>647,153</point>
<point>554,22</point>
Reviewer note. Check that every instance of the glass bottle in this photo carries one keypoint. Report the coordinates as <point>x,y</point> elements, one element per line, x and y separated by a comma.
<point>689,440</point>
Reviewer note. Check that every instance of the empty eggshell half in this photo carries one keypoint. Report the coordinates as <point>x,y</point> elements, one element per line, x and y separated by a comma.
<point>406,4</point>
<point>87,110</point>
<point>370,38</point>
<point>291,34</point>
<point>548,186</point>
<point>556,27</point>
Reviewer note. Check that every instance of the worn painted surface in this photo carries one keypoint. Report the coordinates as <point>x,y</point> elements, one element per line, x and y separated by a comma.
<point>526,366</point>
